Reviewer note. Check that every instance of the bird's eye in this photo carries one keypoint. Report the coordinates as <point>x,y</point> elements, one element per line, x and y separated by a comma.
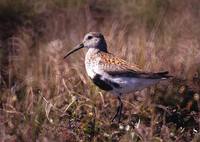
<point>89,37</point>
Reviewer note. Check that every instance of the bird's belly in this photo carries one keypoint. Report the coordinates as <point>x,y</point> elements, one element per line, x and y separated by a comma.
<point>128,85</point>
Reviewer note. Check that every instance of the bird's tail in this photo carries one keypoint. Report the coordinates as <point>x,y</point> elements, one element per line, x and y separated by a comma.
<point>163,75</point>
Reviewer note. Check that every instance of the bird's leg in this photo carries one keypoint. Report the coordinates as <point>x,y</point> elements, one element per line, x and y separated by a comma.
<point>119,110</point>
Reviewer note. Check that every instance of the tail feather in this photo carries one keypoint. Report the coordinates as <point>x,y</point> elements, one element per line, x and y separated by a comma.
<point>162,75</point>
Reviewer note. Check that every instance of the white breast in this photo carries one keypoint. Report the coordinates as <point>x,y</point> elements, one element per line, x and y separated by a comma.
<point>91,62</point>
<point>91,66</point>
<point>90,69</point>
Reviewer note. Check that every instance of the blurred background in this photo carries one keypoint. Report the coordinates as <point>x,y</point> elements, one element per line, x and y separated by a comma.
<point>46,98</point>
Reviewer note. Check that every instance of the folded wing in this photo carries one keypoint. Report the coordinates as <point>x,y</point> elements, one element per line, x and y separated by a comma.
<point>117,67</point>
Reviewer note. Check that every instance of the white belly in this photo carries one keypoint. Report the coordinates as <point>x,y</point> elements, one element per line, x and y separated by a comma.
<point>128,85</point>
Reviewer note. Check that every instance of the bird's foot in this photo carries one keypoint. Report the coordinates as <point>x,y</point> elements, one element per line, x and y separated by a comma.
<point>117,115</point>
<point>119,111</point>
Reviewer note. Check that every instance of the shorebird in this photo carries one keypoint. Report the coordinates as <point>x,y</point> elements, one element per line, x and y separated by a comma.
<point>111,73</point>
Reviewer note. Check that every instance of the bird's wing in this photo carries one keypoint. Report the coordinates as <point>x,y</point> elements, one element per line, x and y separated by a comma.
<point>118,67</point>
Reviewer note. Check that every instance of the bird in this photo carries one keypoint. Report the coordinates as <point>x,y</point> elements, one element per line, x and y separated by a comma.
<point>114,74</point>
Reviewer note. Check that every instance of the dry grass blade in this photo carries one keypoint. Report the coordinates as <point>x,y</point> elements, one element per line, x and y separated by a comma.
<point>46,98</point>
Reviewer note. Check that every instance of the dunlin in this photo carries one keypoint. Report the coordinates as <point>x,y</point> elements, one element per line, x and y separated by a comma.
<point>111,73</point>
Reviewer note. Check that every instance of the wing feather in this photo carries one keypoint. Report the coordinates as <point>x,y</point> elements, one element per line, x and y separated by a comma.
<point>118,67</point>
<point>109,62</point>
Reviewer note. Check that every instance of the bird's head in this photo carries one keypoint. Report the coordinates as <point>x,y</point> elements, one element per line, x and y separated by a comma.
<point>93,40</point>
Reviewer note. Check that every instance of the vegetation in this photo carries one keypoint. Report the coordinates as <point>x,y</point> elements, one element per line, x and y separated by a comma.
<point>46,98</point>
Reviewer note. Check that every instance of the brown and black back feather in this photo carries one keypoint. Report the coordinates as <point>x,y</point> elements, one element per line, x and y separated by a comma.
<point>118,67</point>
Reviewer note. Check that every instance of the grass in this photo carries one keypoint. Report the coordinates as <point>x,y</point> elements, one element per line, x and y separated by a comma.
<point>46,98</point>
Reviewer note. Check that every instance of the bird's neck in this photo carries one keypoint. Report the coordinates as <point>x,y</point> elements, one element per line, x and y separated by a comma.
<point>102,46</point>
<point>92,55</point>
<point>93,51</point>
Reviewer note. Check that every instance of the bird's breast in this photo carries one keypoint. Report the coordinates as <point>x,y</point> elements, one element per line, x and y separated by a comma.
<point>91,65</point>
<point>90,69</point>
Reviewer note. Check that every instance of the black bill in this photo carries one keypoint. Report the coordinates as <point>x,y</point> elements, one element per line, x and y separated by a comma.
<point>74,50</point>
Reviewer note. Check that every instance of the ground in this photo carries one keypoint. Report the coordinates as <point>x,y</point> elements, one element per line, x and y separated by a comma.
<point>46,98</point>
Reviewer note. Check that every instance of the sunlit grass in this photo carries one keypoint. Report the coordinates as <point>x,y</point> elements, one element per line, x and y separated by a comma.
<point>44,97</point>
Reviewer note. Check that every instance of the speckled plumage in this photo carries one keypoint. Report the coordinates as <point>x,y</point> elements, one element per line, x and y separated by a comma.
<point>113,70</point>
<point>111,73</point>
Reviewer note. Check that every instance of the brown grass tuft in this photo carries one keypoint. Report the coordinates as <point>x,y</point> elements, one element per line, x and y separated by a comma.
<point>46,98</point>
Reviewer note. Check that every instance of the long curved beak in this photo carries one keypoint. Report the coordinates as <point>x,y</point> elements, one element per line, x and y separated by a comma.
<point>74,50</point>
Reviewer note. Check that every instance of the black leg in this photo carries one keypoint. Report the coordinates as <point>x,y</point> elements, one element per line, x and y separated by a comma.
<point>119,110</point>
